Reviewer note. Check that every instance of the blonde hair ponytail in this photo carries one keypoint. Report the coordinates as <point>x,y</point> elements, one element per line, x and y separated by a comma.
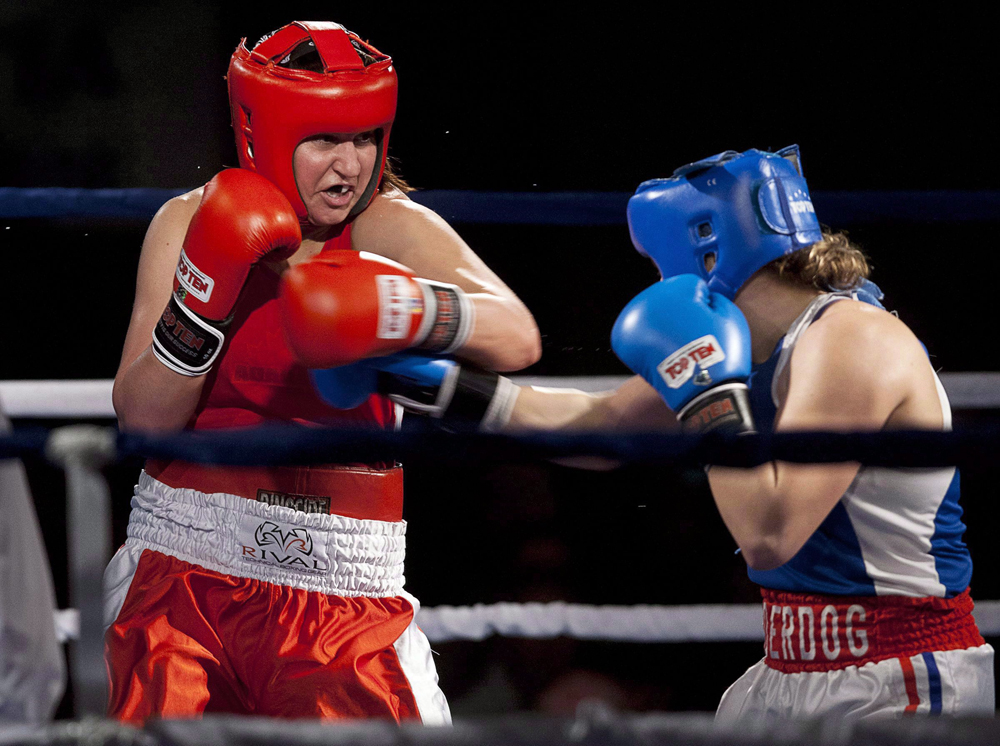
<point>832,263</point>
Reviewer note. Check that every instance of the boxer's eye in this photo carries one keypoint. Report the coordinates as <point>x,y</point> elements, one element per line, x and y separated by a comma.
<point>704,230</point>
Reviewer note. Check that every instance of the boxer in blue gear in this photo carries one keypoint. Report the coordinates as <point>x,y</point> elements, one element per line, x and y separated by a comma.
<point>863,570</point>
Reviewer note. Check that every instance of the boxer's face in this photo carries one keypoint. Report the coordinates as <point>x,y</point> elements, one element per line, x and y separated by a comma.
<point>332,172</point>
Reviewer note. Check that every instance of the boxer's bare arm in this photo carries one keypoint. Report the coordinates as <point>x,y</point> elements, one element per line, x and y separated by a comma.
<point>773,509</point>
<point>634,406</point>
<point>505,336</point>
<point>147,395</point>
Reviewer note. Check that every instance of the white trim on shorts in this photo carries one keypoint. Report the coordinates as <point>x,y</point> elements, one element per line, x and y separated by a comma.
<point>952,682</point>
<point>417,661</point>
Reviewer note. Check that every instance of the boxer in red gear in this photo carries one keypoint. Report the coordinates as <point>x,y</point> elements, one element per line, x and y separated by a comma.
<point>279,591</point>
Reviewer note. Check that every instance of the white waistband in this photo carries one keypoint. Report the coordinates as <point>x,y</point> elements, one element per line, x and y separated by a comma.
<point>331,554</point>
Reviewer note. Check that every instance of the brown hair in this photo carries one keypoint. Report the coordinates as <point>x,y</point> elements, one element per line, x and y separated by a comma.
<point>391,179</point>
<point>832,263</point>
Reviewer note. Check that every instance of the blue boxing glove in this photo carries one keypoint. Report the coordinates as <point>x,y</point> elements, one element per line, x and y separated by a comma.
<point>693,347</point>
<point>450,392</point>
<point>346,386</point>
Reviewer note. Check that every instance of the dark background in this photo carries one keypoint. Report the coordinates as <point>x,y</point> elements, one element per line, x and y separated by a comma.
<point>501,97</point>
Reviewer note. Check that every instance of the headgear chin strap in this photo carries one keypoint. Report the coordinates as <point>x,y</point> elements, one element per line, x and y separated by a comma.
<point>747,209</point>
<point>275,107</point>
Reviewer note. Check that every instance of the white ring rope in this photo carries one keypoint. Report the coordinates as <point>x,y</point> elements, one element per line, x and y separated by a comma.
<point>72,399</point>
<point>54,399</point>
<point>641,623</point>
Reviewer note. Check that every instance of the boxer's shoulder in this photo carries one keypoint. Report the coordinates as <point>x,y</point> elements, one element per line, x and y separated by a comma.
<point>857,329</point>
<point>390,205</point>
<point>392,211</point>
<point>396,227</point>
<point>186,202</point>
<point>853,348</point>
<point>174,216</point>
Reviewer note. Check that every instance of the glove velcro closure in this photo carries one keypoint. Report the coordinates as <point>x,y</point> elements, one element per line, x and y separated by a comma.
<point>469,395</point>
<point>484,398</point>
<point>186,342</point>
<point>448,317</point>
<point>429,401</point>
<point>501,405</point>
<point>725,408</point>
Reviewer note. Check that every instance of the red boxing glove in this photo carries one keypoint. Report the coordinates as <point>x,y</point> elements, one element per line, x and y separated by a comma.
<point>345,306</point>
<point>242,218</point>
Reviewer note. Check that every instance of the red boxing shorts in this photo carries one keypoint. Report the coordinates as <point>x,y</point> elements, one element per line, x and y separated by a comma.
<point>217,603</point>
<point>857,657</point>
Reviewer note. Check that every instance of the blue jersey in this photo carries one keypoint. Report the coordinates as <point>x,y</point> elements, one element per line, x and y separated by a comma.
<point>893,532</point>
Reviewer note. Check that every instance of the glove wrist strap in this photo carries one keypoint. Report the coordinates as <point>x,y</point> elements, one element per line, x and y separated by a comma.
<point>482,397</point>
<point>186,342</point>
<point>466,395</point>
<point>501,405</point>
<point>448,317</point>
<point>725,408</point>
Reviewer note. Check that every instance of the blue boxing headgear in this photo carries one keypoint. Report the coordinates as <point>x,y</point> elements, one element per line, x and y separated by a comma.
<point>747,209</point>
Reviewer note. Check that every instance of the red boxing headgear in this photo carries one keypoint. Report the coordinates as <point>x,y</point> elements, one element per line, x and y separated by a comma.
<point>276,107</point>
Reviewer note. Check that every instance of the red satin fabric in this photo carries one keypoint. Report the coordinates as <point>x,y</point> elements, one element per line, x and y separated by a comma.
<point>189,641</point>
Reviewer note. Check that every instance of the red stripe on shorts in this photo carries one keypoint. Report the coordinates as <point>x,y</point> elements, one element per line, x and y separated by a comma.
<point>910,679</point>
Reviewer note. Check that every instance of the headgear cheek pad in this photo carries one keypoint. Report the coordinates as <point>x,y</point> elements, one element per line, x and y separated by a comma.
<point>275,107</point>
<point>746,209</point>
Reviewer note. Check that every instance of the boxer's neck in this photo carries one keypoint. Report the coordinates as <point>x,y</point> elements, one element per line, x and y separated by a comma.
<point>770,305</point>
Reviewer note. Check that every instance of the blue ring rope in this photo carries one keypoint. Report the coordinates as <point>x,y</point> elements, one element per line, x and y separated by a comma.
<point>523,208</point>
<point>276,444</point>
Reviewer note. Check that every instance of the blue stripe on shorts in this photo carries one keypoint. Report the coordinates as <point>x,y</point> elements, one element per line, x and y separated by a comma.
<point>933,683</point>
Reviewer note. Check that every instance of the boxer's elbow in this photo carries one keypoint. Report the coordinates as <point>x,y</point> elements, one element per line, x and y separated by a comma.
<point>763,553</point>
<point>761,518</point>
<point>136,415</point>
<point>505,336</point>
<point>147,397</point>
<point>762,536</point>
<point>526,348</point>
<point>127,411</point>
<point>517,353</point>
<point>126,404</point>
<point>766,550</point>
